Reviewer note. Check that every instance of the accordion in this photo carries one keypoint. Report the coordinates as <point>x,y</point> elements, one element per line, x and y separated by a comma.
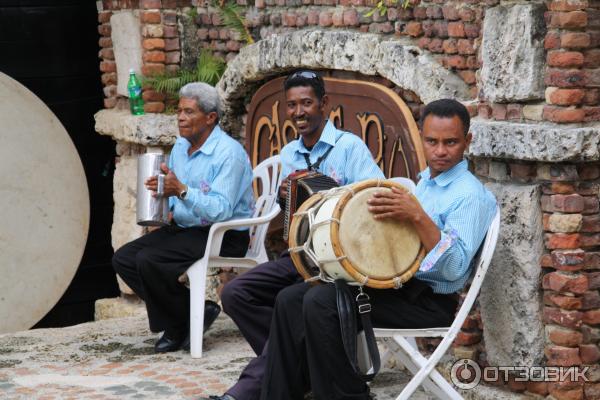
<point>301,185</point>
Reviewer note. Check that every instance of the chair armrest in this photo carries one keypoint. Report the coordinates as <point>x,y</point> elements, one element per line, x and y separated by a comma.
<point>217,230</point>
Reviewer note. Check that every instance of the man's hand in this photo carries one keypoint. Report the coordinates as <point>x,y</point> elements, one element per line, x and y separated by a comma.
<point>403,206</point>
<point>397,204</point>
<point>283,188</point>
<point>171,187</point>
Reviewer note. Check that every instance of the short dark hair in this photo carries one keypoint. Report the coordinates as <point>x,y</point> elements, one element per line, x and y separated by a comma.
<point>306,78</point>
<point>447,108</point>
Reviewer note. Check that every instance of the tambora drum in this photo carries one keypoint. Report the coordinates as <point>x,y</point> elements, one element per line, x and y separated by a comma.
<point>334,236</point>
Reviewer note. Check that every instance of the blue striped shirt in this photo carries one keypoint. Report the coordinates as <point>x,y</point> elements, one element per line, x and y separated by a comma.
<point>463,209</point>
<point>219,180</point>
<point>350,160</point>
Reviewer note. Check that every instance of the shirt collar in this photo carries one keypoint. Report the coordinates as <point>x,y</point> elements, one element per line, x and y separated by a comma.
<point>211,142</point>
<point>328,136</point>
<point>447,177</point>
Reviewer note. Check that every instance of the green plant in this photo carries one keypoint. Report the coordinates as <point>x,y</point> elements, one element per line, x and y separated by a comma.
<point>231,15</point>
<point>382,8</point>
<point>208,69</point>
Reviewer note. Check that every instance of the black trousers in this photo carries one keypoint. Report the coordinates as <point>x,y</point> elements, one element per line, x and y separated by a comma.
<point>151,265</point>
<point>249,300</point>
<point>305,350</point>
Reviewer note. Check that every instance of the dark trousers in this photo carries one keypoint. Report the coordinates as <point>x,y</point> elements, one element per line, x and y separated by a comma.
<point>305,350</point>
<point>151,265</point>
<point>249,300</point>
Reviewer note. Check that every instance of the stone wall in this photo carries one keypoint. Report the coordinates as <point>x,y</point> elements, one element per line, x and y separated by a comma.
<point>529,73</point>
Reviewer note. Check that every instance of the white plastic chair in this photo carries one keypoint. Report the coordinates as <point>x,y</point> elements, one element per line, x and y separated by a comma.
<point>401,343</point>
<point>267,173</point>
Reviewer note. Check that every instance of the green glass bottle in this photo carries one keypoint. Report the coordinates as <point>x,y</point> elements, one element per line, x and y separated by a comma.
<point>136,103</point>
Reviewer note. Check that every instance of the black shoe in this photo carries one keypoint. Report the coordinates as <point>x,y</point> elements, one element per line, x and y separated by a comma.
<point>211,312</point>
<point>166,344</point>
<point>224,397</point>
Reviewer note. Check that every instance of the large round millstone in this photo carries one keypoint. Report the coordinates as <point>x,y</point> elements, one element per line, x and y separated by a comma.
<point>44,208</point>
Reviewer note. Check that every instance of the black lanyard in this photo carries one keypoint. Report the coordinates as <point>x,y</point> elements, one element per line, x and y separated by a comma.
<point>316,165</point>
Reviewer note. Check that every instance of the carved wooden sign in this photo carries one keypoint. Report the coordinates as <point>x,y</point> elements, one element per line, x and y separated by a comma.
<point>371,111</point>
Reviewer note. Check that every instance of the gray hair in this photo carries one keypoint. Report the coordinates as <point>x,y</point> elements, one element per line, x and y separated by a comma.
<point>206,96</point>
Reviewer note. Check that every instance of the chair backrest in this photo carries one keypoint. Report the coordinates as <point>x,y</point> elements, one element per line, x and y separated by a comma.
<point>482,262</point>
<point>266,179</point>
<point>406,182</point>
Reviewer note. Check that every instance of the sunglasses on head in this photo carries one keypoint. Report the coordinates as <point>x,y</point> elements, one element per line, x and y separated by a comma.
<point>304,74</point>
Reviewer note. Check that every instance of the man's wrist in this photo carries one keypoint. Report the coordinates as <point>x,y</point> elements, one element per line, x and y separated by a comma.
<point>183,191</point>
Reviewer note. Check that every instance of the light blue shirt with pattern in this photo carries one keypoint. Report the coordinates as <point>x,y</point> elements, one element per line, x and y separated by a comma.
<point>463,209</point>
<point>350,160</point>
<point>219,180</point>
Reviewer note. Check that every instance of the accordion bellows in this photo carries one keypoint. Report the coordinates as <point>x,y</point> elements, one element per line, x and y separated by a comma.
<point>301,185</point>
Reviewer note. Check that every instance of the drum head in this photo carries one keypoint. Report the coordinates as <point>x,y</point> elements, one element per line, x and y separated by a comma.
<point>45,208</point>
<point>378,249</point>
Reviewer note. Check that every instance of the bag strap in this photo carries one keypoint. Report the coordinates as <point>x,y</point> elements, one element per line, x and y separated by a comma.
<point>349,329</point>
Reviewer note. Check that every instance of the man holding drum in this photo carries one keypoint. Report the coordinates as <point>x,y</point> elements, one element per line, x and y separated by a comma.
<point>451,214</point>
<point>208,179</point>
<point>249,298</point>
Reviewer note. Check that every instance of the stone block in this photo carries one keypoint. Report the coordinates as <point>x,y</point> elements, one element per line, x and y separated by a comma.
<point>511,46</point>
<point>126,38</point>
<point>534,142</point>
<point>565,223</point>
<point>510,294</point>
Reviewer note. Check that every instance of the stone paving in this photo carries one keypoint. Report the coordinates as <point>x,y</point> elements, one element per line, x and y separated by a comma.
<point>114,359</point>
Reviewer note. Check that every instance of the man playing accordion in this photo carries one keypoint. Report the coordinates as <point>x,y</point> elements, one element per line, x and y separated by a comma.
<point>249,299</point>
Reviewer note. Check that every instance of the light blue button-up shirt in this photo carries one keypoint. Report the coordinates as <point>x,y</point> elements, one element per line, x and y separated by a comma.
<point>350,160</point>
<point>463,209</point>
<point>219,180</point>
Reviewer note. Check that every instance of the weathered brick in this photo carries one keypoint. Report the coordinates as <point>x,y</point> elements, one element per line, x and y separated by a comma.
<point>170,31</point>
<point>562,356</point>
<point>174,57</point>
<point>169,18</point>
<point>325,19</point>
<point>450,46</point>
<point>456,29</point>
<point>499,112</point>
<point>591,390</point>
<point>575,40</point>
<point>588,188</point>
<point>435,46</point>
<point>564,337</point>
<point>472,30</point>
<point>466,15</point>
<point>104,16</point>
<point>351,17</point>
<point>563,301</point>
<point>154,56</point>
<point>562,240</point>
<point>440,29</point>
<point>546,260</point>
<point>467,338</point>
<point>592,260</point>
<point>588,171</point>
<point>563,114</point>
<point>557,172</point>
<point>466,46</point>
<point>414,29</point>
<point>106,54</point>
<point>109,78</point>
<point>150,17</point>
<point>564,59</point>
<point>104,30</point>
<point>567,203</point>
<point>152,69</point>
<point>484,110</point>
<point>590,223</point>
<point>590,335</point>
<point>434,12</point>
<point>558,188</point>
<point>108,66</point>
<point>148,4</point>
<point>565,77</point>
<point>591,114</point>
<point>569,20</point>
<point>552,40</point>
<point>110,102</point>
<point>591,58</point>
<point>561,392</point>
<point>594,280</point>
<point>567,319</point>
<point>153,44</point>
<point>590,205</point>
<point>154,107</point>
<point>568,260</point>
<point>420,12</point>
<point>564,97</point>
<point>568,5</point>
<point>562,282</point>
<point>591,317</point>
<point>171,44</point>
<point>590,300</point>
<point>152,95</point>
<point>539,388</point>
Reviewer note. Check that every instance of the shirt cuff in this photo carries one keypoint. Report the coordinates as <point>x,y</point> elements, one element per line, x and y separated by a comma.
<point>447,240</point>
